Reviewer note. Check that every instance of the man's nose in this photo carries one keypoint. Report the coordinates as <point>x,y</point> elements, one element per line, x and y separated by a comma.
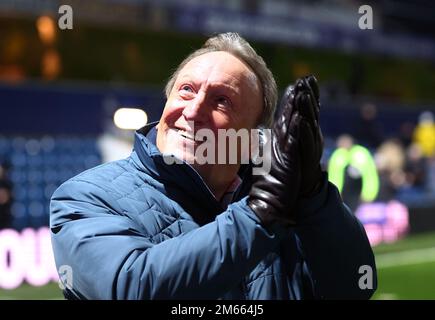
<point>196,110</point>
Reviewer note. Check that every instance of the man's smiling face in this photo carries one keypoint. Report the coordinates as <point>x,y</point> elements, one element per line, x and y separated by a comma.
<point>213,91</point>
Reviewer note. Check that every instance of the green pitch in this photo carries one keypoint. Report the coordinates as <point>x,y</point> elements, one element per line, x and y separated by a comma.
<point>406,270</point>
<point>27,292</point>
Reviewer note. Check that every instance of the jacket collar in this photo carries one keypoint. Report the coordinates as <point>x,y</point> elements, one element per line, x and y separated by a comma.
<point>182,182</point>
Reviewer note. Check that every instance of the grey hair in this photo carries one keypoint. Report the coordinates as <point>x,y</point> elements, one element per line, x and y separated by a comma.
<point>234,44</point>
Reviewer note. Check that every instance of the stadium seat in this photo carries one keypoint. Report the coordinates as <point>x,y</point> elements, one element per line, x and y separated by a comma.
<point>38,165</point>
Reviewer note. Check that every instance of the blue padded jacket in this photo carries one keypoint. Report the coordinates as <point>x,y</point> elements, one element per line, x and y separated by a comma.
<point>139,228</point>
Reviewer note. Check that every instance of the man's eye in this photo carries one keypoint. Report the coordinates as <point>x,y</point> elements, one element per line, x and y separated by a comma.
<point>223,101</point>
<point>186,87</point>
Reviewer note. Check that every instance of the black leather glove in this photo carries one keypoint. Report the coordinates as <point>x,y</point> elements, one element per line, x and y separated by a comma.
<point>273,195</point>
<point>297,146</point>
<point>306,101</point>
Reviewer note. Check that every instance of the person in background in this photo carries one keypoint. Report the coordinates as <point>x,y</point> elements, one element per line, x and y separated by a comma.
<point>369,131</point>
<point>5,198</point>
<point>424,134</point>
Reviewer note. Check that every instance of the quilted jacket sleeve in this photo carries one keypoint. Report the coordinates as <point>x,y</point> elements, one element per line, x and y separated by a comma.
<point>111,258</point>
<point>339,260</point>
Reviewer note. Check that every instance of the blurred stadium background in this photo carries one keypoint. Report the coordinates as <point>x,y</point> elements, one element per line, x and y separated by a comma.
<point>60,91</point>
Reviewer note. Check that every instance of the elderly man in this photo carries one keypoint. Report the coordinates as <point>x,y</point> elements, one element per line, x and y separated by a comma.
<point>146,228</point>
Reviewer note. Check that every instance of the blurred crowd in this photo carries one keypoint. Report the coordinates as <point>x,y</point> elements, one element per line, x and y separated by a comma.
<point>405,163</point>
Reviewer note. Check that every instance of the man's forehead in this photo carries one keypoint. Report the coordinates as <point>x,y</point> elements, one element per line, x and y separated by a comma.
<point>220,65</point>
